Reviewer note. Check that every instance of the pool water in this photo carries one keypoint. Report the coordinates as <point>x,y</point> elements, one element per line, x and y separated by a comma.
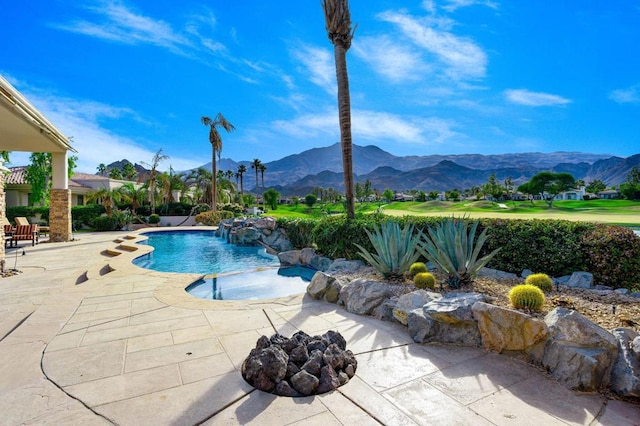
<point>248,273</point>
<point>201,252</point>
<point>256,285</point>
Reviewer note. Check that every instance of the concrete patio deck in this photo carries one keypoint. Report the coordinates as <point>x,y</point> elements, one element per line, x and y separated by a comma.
<point>90,338</point>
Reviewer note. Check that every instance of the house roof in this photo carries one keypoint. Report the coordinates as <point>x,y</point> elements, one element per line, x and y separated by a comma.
<point>18,177</point>
<point>24,128</point>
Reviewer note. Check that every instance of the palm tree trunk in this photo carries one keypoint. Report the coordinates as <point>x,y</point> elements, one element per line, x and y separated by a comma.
<point>344,111</point>
<point>214,178</point>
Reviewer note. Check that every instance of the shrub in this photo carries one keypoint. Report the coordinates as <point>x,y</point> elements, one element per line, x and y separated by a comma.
<point>549,246</point>
<point>453,248</point>
<point>85,215</point>
<point>613,255</point>
<point>154,218</point>
<point>212,218</point>
<point>299,231</point>
<point>336,237</point>
<point>396,249</point>
<point>105,223</point>
<point>526,296</point>
<point>417,268</point>
<point>425,280</point>
<point>542,281</point>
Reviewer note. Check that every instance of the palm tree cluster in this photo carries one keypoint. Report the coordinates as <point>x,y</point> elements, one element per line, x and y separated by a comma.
<point>194,187</point>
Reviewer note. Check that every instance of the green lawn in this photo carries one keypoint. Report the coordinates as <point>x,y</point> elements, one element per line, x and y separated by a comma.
<point>622,212</point>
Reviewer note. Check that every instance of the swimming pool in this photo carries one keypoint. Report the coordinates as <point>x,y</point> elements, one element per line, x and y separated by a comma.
<point>233,272</point>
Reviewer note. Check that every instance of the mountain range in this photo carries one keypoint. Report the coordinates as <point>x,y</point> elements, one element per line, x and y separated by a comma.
<point>298,174</point>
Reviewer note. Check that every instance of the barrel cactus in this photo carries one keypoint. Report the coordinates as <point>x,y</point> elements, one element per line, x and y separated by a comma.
<point>416,268</point>
<point>526,296</point>
<point>424,280</point>
<point>542,281</point>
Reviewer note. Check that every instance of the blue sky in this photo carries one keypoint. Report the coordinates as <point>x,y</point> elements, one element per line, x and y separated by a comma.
<point>126,78</point>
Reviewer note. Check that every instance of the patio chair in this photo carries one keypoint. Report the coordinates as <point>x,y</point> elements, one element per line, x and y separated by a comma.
<point>25,233</point>
<point>22,221</point>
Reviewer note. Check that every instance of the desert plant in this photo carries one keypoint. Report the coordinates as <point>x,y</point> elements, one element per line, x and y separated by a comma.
<point>526,296</point>
<point>452,246</point>
<point>425,280</point>
<point>542,281</point>
<point>396,249</point>
<point>213,218</point>
<point>416,268</point>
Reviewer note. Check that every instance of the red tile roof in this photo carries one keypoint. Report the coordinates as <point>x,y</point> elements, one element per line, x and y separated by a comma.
<point>18,177</point>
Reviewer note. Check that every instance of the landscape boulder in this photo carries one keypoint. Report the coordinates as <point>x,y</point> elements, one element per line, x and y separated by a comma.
<point>245,236</point>
<point>454,308</point>
<point>342,266</point>
<point>410,301</point>
<point>319,284</point>
<point>580,280</point>
<point>625,375</point>
<point>289,257</point>
<point>497,274</point>
<point>505,329</point>
<point>361,296</point>
<point>424,329</point>
<point>579,353</point>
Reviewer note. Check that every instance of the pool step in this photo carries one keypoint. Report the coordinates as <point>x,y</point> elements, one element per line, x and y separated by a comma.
<point>94,272</point>
<point>127,247</point>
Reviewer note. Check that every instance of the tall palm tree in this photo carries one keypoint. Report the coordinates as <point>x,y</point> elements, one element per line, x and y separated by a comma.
<point>102,169</point>
<point>338,25</point>
<point>242,169</point>
<point>158,157</point>
<point>256,165</point>
<point>263,169</point>
<point>216,146</point>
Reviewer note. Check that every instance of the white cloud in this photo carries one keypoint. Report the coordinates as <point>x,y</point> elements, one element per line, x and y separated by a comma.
<point>393,60</point>
<point>120,24</point>
<point>528,98</point>
<point>630,95</point>
<point>461,57</point>
<point>81,120</point>
<point>370,126</point>
<point>452,5</point>
<point>319,65</point>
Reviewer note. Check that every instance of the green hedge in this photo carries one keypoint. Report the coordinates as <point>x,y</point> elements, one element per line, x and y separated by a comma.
<point>553,247</point>
<point>27,211</point>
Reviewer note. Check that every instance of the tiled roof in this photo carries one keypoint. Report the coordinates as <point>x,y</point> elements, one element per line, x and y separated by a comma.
<point>18,177</point>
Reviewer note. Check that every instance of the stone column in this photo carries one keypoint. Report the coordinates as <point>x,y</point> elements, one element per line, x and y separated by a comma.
<point>3,217</point>
<point>60,215</point>
<point>60,201</point>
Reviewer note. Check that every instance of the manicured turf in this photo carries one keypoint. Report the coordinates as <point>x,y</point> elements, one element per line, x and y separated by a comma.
<point>623,212</point>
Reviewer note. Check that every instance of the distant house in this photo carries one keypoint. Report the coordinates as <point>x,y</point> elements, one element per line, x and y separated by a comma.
<point>17,189</point>
<point>573,194</point>
<point>609,194</point>
<point>399,196</point>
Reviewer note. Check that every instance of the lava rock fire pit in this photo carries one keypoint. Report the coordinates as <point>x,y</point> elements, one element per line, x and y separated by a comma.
<point>300,366</point>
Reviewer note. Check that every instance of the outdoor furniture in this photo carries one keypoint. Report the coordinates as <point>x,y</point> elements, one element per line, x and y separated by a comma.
<point>8,235</point>
<point>24,233</point>
<point>22,221</point>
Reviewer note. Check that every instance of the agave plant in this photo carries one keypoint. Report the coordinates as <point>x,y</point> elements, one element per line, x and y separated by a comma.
<point>396,249</point>
<point>454,250</point>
